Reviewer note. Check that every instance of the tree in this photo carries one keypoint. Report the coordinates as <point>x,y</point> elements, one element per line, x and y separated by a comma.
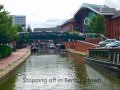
<point>29,29</point>
<point>20,29</point>
<point>8,32</point>
<point>13,34</point>
<point>23,40</point>
<point>97,24</point>
<point>71,32</point>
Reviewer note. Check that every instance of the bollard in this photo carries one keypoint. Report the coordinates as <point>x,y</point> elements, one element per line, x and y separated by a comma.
<point>114,58</point>
<point>118,58</point>
<point>109,57</point>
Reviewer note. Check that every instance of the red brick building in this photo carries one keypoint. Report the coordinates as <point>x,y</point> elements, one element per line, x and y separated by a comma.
<point>83,16</point>
<point>71,24</point>
<point>115,26</point>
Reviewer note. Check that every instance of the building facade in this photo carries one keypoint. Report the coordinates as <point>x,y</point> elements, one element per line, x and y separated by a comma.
<point>52,29</point>
<point>71,24</point>
<point>19,20</point>
<point>115,26</point>
<point>87,11</point>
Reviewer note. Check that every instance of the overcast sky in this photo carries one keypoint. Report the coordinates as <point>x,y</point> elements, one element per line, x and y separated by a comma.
<point>49,13</point>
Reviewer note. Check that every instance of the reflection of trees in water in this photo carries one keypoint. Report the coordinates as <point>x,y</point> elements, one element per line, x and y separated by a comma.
<point>79,67</point>
<point>9,82</point>
<point>104,72</point>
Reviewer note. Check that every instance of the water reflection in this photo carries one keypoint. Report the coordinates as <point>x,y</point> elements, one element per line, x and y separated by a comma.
<point>79,66</point>
<point>54,70</point>
<point>45,51</point>
<point>110,80</point>
<point>8,83</point>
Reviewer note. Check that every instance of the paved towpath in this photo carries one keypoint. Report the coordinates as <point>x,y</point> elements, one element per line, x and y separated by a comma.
<point>5,62</point>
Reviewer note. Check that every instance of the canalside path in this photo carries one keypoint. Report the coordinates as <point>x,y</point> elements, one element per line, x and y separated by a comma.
<point>76,52</point>
<point>8,64</point>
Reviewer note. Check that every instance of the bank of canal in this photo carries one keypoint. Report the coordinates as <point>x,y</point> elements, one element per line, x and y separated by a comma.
<point>49,69</point>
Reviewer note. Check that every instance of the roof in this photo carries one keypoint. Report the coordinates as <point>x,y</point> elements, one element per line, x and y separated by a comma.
<point>100,9</point>
<point>116,15</point>
<point>72,20</point>
<point>47,29</point>
<point>18,16</point>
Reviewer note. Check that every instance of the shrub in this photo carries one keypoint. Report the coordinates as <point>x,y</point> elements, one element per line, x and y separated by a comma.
<point>5,51</point>
<point>73,32</point>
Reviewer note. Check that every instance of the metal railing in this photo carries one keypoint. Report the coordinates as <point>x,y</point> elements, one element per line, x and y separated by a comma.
<point>50,36</point>
<point>110,55</point>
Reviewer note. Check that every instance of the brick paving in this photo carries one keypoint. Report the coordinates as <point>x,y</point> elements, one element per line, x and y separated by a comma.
<point>5,62</point>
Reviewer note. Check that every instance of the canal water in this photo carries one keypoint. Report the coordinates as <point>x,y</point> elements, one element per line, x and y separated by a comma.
<point>52,70</point>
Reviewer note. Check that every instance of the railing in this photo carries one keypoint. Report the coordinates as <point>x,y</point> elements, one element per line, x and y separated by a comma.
<point>109,55</point>
<point>51,36</point>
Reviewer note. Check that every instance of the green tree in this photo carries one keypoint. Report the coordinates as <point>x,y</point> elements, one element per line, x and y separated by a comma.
<point>71,32</point>
<point>29,29</point>
<point>20,29</point>
<point>23,39</point>
<point>97,24</point>
<point>8,32</point>
<point>13,33</point>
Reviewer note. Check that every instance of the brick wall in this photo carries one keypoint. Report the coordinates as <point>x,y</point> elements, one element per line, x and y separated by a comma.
<point>69,45</point>
<point>92,40</point>
<point>114,31</point>
<point>79,46</point>
<point>83,46</point>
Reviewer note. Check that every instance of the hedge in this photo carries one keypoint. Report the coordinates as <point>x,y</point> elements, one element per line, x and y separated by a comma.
<point>5,51</point>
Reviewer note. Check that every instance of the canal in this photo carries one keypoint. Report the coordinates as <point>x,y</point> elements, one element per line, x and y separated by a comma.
<point>49,69</point>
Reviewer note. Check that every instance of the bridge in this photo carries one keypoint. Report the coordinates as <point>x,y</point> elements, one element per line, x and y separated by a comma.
<point>56,36</point>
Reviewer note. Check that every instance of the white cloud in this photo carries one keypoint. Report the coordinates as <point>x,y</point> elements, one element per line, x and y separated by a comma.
<point>46,13</point>
<point>113,3</point>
